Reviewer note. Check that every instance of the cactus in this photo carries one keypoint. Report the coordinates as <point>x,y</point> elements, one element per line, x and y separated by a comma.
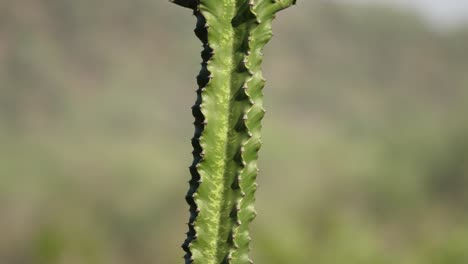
<point>228,113</point>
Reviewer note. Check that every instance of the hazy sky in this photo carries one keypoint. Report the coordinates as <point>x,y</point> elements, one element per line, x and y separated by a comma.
<point>443,12</point>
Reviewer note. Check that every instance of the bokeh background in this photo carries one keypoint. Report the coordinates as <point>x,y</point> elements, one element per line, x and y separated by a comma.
<point>365,158</point>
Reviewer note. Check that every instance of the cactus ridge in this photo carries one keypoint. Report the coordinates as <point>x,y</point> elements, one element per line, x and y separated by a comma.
<point>228,113</point>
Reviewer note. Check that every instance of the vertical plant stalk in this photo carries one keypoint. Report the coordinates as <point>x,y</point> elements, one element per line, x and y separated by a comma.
<point>228,113</point>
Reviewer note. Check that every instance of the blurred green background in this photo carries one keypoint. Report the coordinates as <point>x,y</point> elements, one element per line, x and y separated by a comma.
<point>365,158</point>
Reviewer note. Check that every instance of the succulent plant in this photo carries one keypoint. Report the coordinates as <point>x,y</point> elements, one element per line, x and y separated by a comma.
<point>228,113</point>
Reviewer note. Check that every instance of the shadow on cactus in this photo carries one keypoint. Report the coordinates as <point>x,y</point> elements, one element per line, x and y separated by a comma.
<point>228,113</point>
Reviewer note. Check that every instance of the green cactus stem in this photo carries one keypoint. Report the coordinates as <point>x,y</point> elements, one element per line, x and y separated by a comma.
<point>228,113</point>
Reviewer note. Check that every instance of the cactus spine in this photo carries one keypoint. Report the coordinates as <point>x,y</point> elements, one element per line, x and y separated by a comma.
<point>228,113</point>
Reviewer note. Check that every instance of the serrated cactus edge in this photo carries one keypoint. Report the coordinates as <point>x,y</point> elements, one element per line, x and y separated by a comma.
<point>228,113</point>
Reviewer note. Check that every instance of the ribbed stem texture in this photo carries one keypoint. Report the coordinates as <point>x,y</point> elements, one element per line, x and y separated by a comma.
<point>228,113</point>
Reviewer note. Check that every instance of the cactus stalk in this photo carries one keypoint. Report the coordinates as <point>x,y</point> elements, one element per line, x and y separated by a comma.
<point>228,113</point>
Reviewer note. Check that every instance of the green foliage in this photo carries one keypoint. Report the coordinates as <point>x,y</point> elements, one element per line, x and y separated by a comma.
<point>228,114</point>
<point>365,143</point>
